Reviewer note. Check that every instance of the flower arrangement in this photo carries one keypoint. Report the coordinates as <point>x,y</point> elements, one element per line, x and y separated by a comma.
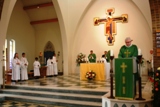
<point>90,75</point>
<point>80,58</point>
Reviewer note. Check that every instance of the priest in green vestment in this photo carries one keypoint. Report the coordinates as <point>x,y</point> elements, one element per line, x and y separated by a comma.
<point>128,51</point>
<point>92,57</point>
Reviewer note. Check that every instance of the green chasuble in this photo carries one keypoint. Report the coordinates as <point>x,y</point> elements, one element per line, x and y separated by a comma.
<point>126,52</point>
<point>92,58</point>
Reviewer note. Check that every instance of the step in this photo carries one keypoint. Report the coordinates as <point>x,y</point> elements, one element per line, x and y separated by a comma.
<point>58,89</point>
<point>57,95</point>
<point>51,101</point>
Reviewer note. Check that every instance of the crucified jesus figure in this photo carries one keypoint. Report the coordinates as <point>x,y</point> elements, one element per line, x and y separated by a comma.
<point>108,28</point>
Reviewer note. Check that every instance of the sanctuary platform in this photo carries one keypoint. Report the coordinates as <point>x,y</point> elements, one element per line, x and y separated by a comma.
<point>60,91</point>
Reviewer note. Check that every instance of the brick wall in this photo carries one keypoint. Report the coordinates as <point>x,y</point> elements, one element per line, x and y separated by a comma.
<point>155,15</point>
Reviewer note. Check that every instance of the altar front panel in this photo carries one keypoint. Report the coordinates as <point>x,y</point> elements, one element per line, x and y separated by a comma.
<point>98,68</point>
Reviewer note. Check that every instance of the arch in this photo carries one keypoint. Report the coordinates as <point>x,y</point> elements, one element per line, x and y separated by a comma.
<point>49,51</point>
<point>63,28</point>
<point>49,47</point>
<point>115,105</point>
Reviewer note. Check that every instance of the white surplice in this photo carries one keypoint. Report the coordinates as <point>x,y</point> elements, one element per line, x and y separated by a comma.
<point>16,69</point>
<point>24,66</point>
<point>36,66</point>
<point>50,67</point>
<point>55,70</point>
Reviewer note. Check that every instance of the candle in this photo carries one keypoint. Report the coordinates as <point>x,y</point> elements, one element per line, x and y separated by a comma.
<point>111,52</point>
<point>139,52</point>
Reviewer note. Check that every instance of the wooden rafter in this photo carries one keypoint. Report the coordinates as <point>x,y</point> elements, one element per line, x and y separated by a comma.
<point>38,6</point>
<point>44,21</point>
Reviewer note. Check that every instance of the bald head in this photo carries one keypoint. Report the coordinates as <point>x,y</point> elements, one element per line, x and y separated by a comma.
<point>128,39</point>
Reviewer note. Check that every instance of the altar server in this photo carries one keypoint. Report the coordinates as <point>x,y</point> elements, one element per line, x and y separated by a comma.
<point>36,66</point>
<point>24,66</point>
<point>55,70</point>
<point>16,63</point>
<point>50,67</point>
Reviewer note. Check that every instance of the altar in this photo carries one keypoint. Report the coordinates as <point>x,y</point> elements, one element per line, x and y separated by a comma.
<point>101,70</point>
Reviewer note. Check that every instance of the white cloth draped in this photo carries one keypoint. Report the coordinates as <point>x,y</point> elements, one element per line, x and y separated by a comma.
<point>36,66</point>
<point>16,69</point>
<point>24,66</point>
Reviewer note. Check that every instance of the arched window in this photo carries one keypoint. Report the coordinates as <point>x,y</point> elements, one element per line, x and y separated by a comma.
<point>11,51</point>
<point>4,53</point>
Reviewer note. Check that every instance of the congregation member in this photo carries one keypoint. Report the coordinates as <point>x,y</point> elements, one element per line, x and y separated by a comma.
<point>16,63</point>
<point>55,70</point>
<point>50,67</point>
<point>24,66</point>
<point>92,57</point>
<point>36,66</point>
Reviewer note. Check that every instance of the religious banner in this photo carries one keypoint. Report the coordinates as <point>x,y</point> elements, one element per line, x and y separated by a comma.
<point>110,24</point>
<point>124,78</point>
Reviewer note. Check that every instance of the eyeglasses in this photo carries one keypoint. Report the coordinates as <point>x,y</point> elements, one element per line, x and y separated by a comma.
<point>128,42</point>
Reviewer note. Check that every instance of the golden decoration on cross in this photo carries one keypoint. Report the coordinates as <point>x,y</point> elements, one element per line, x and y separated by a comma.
<point>123,66</point>
<point>124,90</point>
<point>127,53</point>
<point>123,79</point>
<point>110,24</point>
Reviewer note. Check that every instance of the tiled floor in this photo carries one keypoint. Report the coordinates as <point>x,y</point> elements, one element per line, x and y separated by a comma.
<point>72,82</point>
<point>23,104</point>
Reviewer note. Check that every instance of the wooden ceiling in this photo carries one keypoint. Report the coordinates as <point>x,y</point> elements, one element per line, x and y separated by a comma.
<point>40,11</point>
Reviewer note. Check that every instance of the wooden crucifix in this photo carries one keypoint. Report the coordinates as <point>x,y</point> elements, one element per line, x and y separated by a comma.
<point>110,24</point>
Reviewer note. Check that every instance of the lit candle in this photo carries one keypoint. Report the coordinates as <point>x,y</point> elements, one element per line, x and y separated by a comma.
<point>139,52</point>
<point>111,52</point>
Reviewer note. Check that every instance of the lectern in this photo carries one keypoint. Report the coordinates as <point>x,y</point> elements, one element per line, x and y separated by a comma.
<point>124,69</point>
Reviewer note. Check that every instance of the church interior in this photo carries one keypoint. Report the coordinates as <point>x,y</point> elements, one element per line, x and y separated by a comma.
<point>69,28</point>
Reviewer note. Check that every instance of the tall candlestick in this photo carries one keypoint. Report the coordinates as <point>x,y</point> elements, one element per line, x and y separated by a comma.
<point>111,52</point>
<point>139,52</point>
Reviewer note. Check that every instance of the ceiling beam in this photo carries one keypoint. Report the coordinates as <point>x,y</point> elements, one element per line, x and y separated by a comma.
<point>38,6</point>
<point>44,21</point>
